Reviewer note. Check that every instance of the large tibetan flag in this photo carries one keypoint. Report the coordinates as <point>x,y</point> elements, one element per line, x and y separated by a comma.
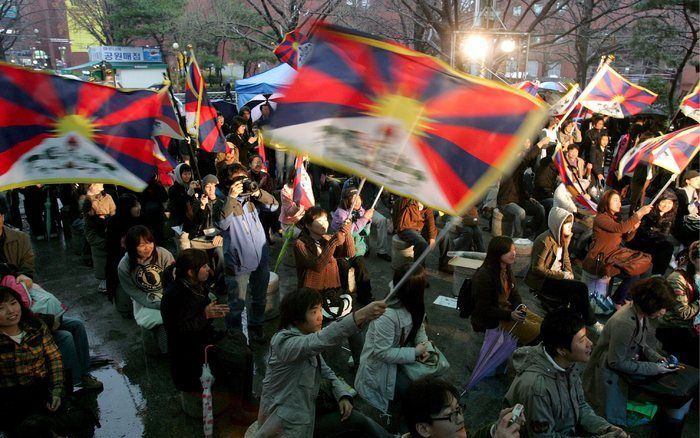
<point>303,193</point>
<point>200,113</point>
<point>690,105</point>
<point>167,124</point>
<point>403,120</point>
<point>55,130</point>
<point>564,105</point>
<point>672,151</point>
<point>294,49</point>
<point>610,94</point>
<point>572,182</point>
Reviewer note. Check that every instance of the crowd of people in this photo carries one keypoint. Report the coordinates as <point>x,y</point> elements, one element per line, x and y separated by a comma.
<point>190,263</point>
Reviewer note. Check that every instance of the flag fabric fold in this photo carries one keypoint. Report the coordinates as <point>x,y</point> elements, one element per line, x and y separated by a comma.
<point>672,151</point>
<point>302,190</point>
<point>398,118</point>
<point>293,49</point>
<point>572,182</point>
<point>200,113</point>
<point>564,104</point>
<point>690,105</point>
<point>609,93</point>
<point>55,130</point>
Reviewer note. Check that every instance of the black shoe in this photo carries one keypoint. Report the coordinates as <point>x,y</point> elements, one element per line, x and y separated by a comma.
<point>383,256</point>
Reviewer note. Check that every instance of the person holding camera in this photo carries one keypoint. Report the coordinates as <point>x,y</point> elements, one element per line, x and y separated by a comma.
<point>246,251</point>
<point>547,385</point>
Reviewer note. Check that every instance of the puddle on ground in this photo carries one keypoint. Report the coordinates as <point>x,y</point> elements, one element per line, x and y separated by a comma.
<point>121,404</point>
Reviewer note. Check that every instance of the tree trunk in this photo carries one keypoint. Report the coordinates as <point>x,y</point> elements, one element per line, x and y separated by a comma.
<point>675,83</point>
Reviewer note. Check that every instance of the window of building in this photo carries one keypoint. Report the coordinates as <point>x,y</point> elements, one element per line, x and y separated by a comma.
<point>554,69</point>
<point>517,11</point>
<point>533,69</point>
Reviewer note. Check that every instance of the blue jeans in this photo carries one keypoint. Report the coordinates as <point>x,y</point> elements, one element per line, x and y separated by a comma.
<point>238,286</point>
<point>414,238</point>
<point>72,341</point>
<point>469,238</point>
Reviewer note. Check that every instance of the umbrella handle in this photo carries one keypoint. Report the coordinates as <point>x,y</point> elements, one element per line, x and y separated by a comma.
<point>206,352</point>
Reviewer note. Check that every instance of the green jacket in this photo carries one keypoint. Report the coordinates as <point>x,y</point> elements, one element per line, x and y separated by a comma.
<point>684,311</point>
<point>553,398</point>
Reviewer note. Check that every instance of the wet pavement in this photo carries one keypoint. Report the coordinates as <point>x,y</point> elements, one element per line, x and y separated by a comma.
<point>140,400</point>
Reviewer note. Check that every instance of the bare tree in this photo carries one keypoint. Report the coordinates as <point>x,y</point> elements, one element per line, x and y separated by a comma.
<point>12,24</point>
<point>95,17</point>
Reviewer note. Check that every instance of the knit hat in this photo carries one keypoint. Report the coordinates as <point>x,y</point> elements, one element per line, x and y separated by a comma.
<point>210,179</point>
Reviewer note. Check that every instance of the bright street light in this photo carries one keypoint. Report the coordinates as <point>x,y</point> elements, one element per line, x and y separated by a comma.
<point>508,45</point>
<point>475,47</point>
<point>176,46</point>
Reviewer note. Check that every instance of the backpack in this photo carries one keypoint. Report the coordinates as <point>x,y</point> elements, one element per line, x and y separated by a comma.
<point>465,300</point>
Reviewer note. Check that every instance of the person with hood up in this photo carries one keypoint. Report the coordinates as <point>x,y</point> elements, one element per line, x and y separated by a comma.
<point>564,197</point>
<point>180,193</point>
<point>549,388</point>
<point>550,273</point>
<point>625,364</point>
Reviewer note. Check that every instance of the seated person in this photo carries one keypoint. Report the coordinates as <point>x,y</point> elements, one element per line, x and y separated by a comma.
<point>141,276</point>
<point>31,370</point>
<point>469,237</point>
<point>515,200</point>
<point>549,388</point>
<point>496,298</point>
<point>546,177</point>
<point>415,224</point>
<point>678,329</point>
<point>431,410</point>
<point>687,223</point>
<point>625,365</point>
<point>550,274</point>
<point>654,233</point>
<point>296,368</point>
<point>361,222</point>
<point>566,197</point>
<point>188,315</point>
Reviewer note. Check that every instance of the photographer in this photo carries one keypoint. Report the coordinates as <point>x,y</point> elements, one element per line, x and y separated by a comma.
<point>245,249</point>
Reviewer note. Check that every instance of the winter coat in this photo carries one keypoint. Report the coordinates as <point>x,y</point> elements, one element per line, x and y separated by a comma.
<point>384,349</point>
<point>294,371</point>
<point>188,330</point>
<point>178,197</point>
<point>316,270</point>
<point>597,160</point>
<point>608,235</point>
<point>144,285</point>
<point>546,179</point>
<point>360,228</point>
<point>102,204</point>
<point>553,398</point>
<point>687,304</point>
<point>486,288</point>
<point>513,189</point>
<point>244,237</point>
<point>409,217</point>
<point>17,249</point>
<point>544,251</point>
<point>623,348</point>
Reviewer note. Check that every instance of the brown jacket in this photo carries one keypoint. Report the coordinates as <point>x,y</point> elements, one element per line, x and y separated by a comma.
<point>608,234</point>
<point>544,252</point>
<point>320,271</point>
<point>18,251</point>
<point>409,217</point>
<point>103,204</point>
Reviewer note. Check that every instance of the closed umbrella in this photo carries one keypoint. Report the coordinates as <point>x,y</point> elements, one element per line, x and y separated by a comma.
<point>498,346</point>
<point>207,380</point>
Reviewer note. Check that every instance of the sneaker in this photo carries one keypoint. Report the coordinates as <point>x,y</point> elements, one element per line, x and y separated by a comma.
<point>89,382</point>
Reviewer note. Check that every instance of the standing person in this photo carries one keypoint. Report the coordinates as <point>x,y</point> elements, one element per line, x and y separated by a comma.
<point>496,298</point>
<point>141,276</point>
<point>242,138</point>
<point>267,218</point>
<point>624,363</point>
<point>246,253</point>
<point>31,369</point>
<point>227,158</point>
<point>677,330</point>
<point>592,136</point>
<point>606,257</point>
<point>179,194</point>
<point>96,236</point>
<point>687,224</point>
<point>550,273</point>
<point>395,338</point>
<point>296,369</point>
<point>597,159</point>
<point>415,225</point>
<point>361,222</point>
<point>549,388</point>
<point>654,233</point>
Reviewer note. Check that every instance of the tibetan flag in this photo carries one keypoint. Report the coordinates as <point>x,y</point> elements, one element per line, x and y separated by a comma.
<point>55,130</point>
<point>261,151</point>
<point>200,113</point>
<point>612,95</point>
<point>303,193</point>
<point>563,106</point>
<point>293,49</point>
<point>529,87</point>
<point>403,120</point>
<point>672,151</point>
<point>168,124</point>
<point>638,154</point>
<point>572,182</point>
<point>690,105</point>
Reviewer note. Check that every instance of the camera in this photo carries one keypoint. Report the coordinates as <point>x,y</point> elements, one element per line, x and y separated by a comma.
<point>249,186</point>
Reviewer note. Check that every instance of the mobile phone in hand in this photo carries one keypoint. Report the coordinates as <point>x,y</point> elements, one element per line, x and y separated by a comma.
<point>516,413</point>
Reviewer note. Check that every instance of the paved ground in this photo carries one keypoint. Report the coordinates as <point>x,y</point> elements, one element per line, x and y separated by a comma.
<point>139,399</point>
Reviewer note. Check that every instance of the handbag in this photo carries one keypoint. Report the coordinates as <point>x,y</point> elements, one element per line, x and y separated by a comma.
<point>526,331</point>
<point>435,365</point>
<point>631,262</point>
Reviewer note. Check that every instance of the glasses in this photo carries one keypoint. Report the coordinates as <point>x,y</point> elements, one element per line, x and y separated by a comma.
<point>452,416</point>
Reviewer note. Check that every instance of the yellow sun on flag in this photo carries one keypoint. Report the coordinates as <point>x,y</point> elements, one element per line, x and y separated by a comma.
<point>78,124</point>
<point>618,98</point>
<point>410,112</point>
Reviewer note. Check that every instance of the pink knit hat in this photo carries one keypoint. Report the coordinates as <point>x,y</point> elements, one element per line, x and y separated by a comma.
<point>11,282</point>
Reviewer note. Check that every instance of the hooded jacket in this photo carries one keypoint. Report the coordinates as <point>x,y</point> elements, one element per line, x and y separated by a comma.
<point>544,251</point>
<point>178,197</point>
<point>553,398</point>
